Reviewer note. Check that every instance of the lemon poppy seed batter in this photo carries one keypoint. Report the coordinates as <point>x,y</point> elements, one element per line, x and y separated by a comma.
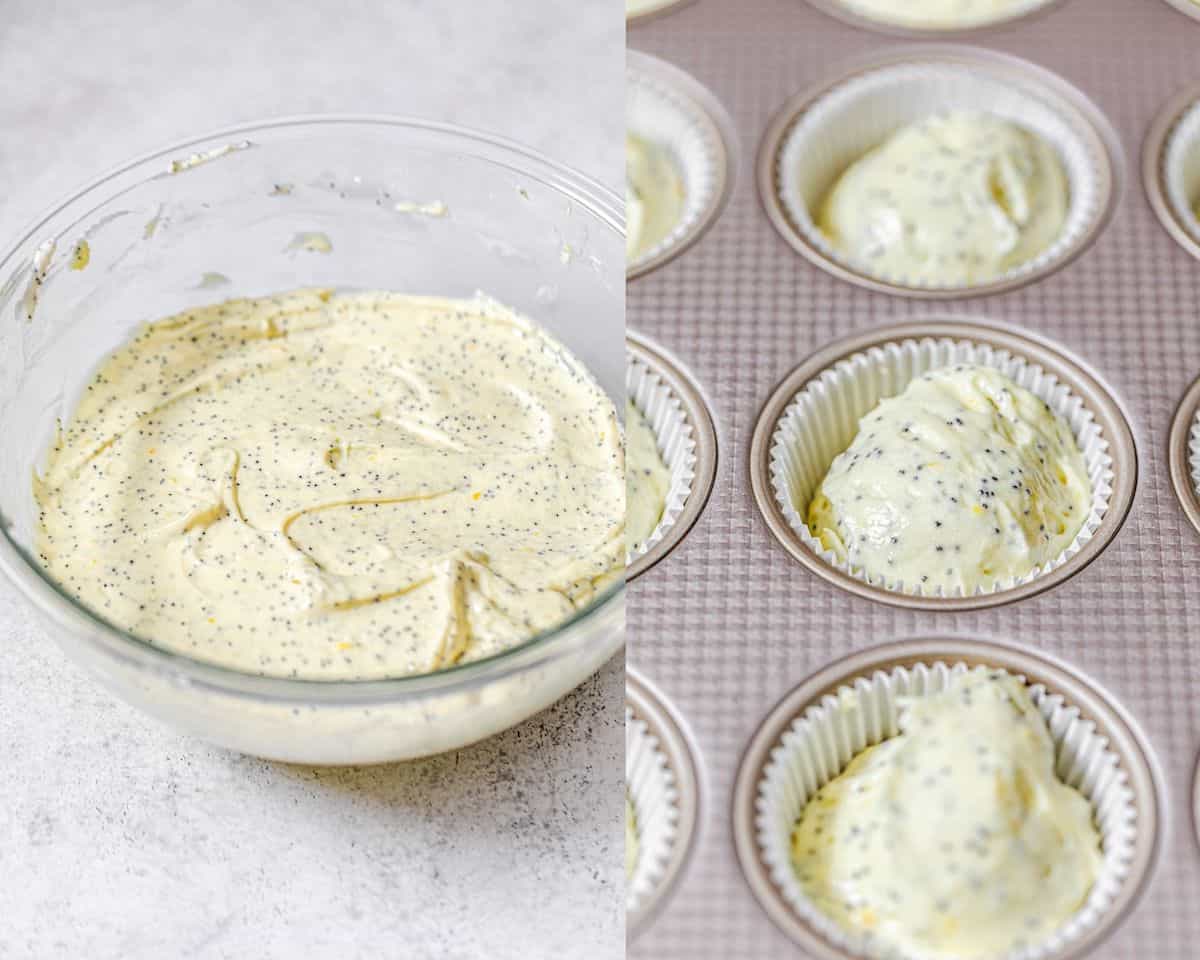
<point>962,481</point>
<point>322,486</point>
<point>954,838</point>
<point>958,198</point>
<point>936,13</point>
<point>654,196</point>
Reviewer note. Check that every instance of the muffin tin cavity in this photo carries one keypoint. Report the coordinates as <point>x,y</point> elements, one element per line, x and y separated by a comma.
<point>670,110</point>
<point>667,396</point>
<point>812,734</point>
<point>1171,166</point>
<point>663,786</point>
<point>813,415</point>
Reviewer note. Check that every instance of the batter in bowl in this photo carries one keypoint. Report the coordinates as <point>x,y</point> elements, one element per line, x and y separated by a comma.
<point>959,198</point>
<point>337,486</point>
<point>963,481</point>
<point>954,838</point>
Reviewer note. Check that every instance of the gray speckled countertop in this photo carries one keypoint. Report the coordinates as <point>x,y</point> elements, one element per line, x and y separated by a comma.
<point>119,838</point>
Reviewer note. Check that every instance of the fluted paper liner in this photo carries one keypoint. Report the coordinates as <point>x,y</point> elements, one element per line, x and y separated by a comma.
<point>654,795</point>
<point>819,744</point>
<point>1194,452</point>
<point>822,421</point>
<point>1181,169</point>
<point>665,413</point>
<point>669,119</point>
<point>859,114</point>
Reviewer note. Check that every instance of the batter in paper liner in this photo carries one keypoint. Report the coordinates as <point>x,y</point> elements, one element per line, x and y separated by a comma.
<point>962,481</point>
<point>958,198</point>
<point>335,486</point>
<point>654,196</point>
<point>954,838</point>
<point>937,14</point>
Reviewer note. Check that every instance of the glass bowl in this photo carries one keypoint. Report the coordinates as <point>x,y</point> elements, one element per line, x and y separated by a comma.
<point>405,205</point>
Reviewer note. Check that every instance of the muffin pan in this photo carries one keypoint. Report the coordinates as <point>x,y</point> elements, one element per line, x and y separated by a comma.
<point>732,625</point>
<point>673,111</point>
<point>663,784</point>
<point>1100,752</point>
<point>676,410</point>
<point>819,133</point>
<point>813,414</point>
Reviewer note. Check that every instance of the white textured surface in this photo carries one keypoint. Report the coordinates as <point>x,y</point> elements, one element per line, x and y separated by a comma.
<point>119,838</point>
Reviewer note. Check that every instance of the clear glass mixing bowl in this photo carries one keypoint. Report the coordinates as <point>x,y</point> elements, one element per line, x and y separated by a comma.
<point>406,205</point>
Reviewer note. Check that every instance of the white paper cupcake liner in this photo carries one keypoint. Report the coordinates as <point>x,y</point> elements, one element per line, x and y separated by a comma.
<point>818,746</point>
<point>1194,452</point>
<point>654,796</point>
<point>1181,169</point>
<point>822,421</point>
<point>665,116</point>
<point>665,413</point>
<point>860,113</point>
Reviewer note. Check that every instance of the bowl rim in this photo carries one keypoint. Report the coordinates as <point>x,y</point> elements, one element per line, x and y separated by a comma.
<point>36,586</point>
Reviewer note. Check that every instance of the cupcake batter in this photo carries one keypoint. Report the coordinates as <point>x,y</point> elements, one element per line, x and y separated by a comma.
<point>647,480</point>
<point>654,196</point>
<point>944,14</point>
<point>959,198</point>
<point>955,838</point>
<point>961,482</point>
<point>631,839</point>
<point>352,486</point>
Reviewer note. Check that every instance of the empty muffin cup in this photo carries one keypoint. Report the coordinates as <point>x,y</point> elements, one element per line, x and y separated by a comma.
<point>666,395</point>
<point>678,118</point>
<point>819,134</point>
<point>813,416</point>
<point>813,733</point>
<point>663,789</point>
<point>1171,167</point>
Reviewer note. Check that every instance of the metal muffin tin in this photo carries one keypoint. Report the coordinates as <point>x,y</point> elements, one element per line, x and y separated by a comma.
<point>1095,704</point>
<point>1096,398</point>
<point>648,705</point>
<point>708,112</point>
<point>699,417</point>
<point>732,624</point>
<point>1153,167</point>
<point>1088,122</point>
